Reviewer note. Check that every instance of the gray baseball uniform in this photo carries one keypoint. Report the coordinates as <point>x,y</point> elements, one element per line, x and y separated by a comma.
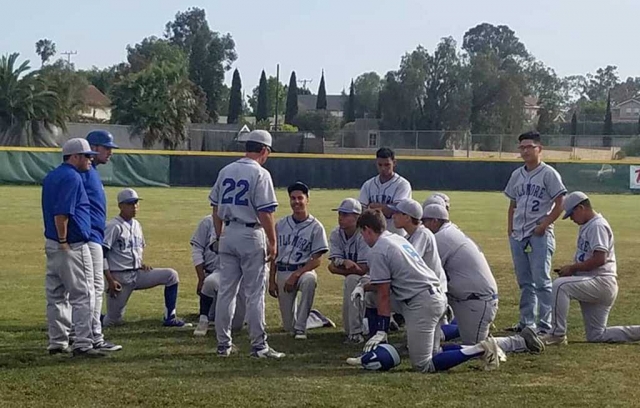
<point>124,244</point>
<point>534,193</point>
<point>426,245</point>
<point>596,290</point>
<point>473,292</point>
<point>297,243</point>
<point>393,260</point>
<point>202,254</point>
<point>241,190</point>
<point>354,249</point>
<point>390,192</point>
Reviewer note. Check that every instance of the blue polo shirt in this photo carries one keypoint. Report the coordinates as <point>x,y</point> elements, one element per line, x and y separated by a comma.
<point>98,201</point>
<point>63,193</point>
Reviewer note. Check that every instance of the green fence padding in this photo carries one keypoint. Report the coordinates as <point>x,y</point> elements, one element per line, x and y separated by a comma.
<point>595,178</point>
<point>17,167</point>
<point>136,170</point>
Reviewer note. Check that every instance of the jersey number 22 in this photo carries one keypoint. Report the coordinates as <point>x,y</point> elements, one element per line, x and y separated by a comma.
<point>234,192</point>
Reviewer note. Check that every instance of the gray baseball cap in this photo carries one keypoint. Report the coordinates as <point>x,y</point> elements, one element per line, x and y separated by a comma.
<point>259,136</point>
<point>128,195</point>
<point>349,206</point>
<point>443,196</point>
<point>436,212</point>
<point>435,199</point>
<point>408,206</point>
<point>571,201</point>
<point>77,145</point>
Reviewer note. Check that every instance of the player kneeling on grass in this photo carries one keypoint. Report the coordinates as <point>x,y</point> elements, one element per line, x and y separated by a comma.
<point>124,270</point>
<point>348,256</point>
<point>301,243</point>
<point>206,262</point>
<point>395,267</point>
<point>591,279</point>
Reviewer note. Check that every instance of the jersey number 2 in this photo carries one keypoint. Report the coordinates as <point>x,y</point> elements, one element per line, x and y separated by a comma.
<point>536,206</point>
<point>234,192</point>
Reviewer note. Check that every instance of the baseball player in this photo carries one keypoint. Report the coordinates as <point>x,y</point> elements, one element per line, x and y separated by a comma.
<point>395,267</point>
<point>124,268</point>
<point>244,201</point>
<point>66,212</point>
<point>207,268</point>
<point>473,292</point>
<point>591,279</point>
<point>301,243</point>
<point>535,191</point>
<point>348,256</point>
<point>100,141</point>
<point>388,187</point>
<point>438,198</point>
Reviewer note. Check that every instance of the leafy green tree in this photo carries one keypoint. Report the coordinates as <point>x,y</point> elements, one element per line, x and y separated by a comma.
<point>235,99</point>
<point>156,103</point>
<point>292,99</point>
<point>105,78</point>
<point>46,49</point>
<point>70,86</point>
<point>367,92</point>
<point>153,49</point>
<point>321,100</point>
<point>272,86</point>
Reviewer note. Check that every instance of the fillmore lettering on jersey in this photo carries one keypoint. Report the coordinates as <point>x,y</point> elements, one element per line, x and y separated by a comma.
<point>529,189</point>
<point>295,241</point>
<point>381,199</point>
<point>299,241</point>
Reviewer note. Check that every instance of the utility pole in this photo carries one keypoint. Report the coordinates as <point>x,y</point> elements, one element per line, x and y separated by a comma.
<point>69,54</point>
<point>304,82</point>
<point>277,92</point>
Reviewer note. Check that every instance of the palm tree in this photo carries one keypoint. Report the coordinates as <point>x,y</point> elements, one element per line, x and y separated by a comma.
<point>46,49</point>
<point>27,107</point>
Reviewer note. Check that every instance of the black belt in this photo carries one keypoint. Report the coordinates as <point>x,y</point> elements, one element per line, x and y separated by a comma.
<point>433,290</point>
<point>288,267</point>
<point>475,296</point>
<point>127,270</point>
<point>248,225</point>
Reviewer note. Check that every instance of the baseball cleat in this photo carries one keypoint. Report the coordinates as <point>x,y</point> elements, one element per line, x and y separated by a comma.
<point>516,328</point>
<point>354,361</point>
<point>226,351</point>
<point>550,340</point>
<point>88,353</point>
<point>493,354</point>
<point>175,322</point>
<point>59,350</point>
<point>354,339</point>
<point>106,346</point>
<point>267,353</point>
<point>201,330</point>
<point>300,335</point>
<point>533,342</point>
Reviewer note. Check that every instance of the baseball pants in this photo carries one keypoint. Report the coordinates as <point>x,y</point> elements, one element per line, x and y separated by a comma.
<point>596,295</point>
<point>211,287</point>
<point>294,317</point>
<point>474,318</point>
<point>135,280</point>
<point>97,258</point>
<point>533,273</point>
<point>352,315</point>
<point>423,315</point>
<point>242,252</point>
<point>69,285</point>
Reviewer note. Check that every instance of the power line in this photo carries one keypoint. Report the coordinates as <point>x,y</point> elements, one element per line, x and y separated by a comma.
<point>304,82</point>
<point>69,54</point>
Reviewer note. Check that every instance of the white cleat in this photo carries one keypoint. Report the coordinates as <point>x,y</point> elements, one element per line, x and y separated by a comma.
<point>493,354</point>
<point>268,353</point>
<point>201,330</point>
<point>300,335</point>
<point>551,340</point>
<point>354,361</point>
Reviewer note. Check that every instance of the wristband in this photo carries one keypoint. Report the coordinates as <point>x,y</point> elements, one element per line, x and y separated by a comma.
<point>62,240</point>
<point>383,323</point>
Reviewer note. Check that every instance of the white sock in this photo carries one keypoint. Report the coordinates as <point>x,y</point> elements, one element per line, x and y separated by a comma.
<point>471,350</point>
<point>204,319</point>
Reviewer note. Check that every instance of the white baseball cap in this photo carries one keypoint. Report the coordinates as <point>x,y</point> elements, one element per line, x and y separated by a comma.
<point>128,195</point>
<point>77,145</point>
<point>443,196</point>
<point>435,199</point>
<point>259,136</point>
<point>349,206</point>
<point>571,201</point>
<point>436,212</point>
<point>408,206</point>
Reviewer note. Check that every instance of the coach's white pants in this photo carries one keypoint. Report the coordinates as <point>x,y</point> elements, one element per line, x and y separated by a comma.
<point>596,295</point>
<point>69,283</point>
<point>294,317</point>
<point>210,288</point>
<point>97,259</point>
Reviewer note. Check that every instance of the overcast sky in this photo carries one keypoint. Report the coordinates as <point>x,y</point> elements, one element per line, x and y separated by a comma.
<point>345,37</point>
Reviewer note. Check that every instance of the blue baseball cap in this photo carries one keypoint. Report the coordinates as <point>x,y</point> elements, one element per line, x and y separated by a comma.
<point>101,138</point>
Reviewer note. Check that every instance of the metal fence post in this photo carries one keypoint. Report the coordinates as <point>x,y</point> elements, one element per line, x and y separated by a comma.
<point>467,137</point>
<point>416,149</point>
<point>500,148</point>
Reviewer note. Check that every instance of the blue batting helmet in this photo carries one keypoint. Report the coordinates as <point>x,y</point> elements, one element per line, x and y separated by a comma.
<point>382,358</point>
<point>101,138</point>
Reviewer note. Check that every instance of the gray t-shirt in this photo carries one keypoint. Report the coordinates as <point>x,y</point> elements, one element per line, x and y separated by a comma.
<point>242,189</point>
<point>124,242</point>
<point>353,248</point>
<point>389,192</point>
<point>465,265</point>
<point>425,244</point>
<point>596,235</point>
<point>201,240</point>
<point>394,260</point>
<point>298,241</point>
<point>534,193</point>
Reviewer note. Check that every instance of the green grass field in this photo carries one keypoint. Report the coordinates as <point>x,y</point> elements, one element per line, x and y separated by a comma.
<point>168,367</point>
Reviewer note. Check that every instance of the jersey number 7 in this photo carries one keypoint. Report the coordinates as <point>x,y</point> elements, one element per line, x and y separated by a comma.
<point>234,192</point>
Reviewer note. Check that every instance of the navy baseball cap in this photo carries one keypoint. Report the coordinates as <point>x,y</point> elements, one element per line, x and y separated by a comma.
<point>299,186</point>
<point>101,138</point>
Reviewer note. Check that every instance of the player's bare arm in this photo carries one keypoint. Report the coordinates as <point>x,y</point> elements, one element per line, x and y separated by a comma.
<point>312,264</point>
<point>551,218</point>
<point>113,285</point>
<point>267,220</point>
<point>62,222</point>
<point>273,285</point>
<point>598,259</point>
<point>200,275</point>
<point>217,222</point>
<point>383,298</point>
<point>510,211</point>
